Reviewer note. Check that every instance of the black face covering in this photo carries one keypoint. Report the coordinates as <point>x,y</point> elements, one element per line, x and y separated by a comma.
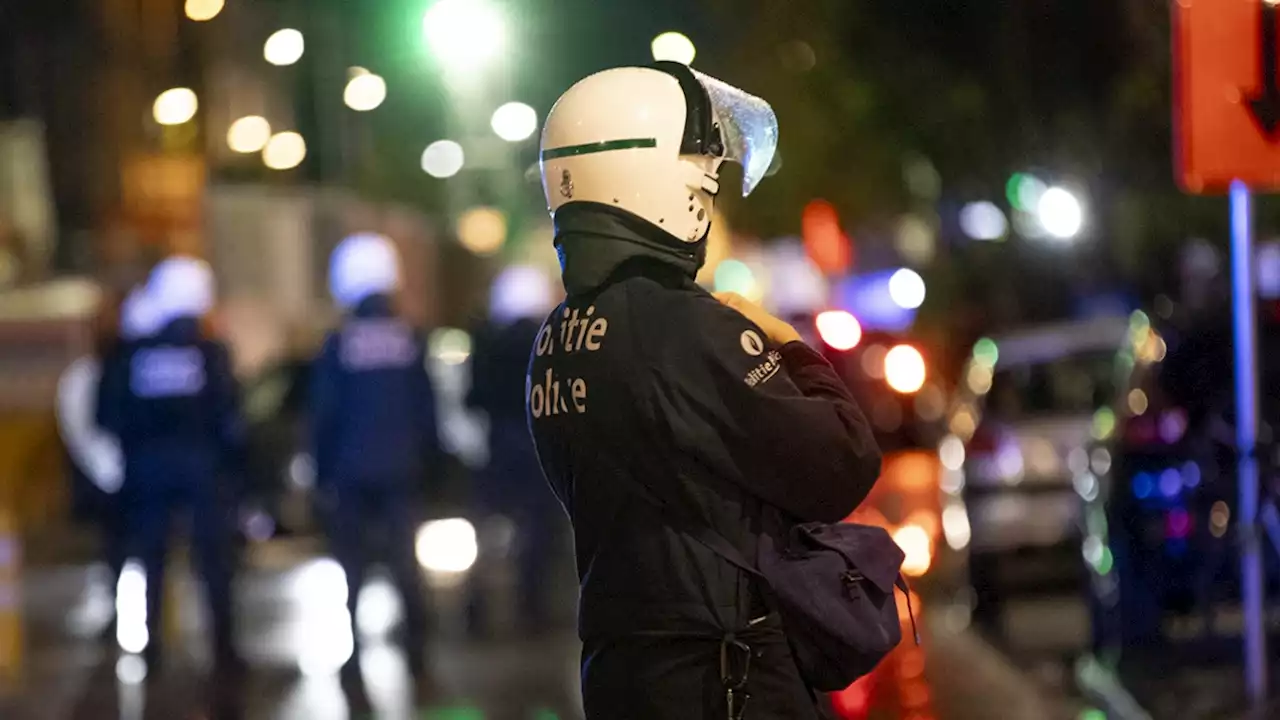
<point>593,240</point>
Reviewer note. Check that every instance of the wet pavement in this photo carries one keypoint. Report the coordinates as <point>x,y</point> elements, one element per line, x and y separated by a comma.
<point>291,631</point>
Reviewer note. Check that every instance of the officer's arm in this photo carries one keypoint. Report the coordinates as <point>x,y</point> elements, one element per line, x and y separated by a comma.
<point>324,400</point>
<point>93,450</point>
<point>778,420</point>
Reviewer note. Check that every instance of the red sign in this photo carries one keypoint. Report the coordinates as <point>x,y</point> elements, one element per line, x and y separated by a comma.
<point>1226,95</point>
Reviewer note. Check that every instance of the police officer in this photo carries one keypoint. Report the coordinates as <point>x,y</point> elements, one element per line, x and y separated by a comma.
<point>97,462</point>
<point>646,393</point>
<point>174,403</point>
<point>374,432</point>
<point>510,486</point>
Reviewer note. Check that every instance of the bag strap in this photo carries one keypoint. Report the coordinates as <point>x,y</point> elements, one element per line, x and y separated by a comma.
<point>698,530</point>
<point>719,545</point>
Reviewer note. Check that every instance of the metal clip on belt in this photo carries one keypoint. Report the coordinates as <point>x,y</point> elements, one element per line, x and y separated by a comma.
<point>735,668</point>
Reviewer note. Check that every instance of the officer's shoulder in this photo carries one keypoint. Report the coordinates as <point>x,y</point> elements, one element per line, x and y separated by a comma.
<point>700,310</point>
<point>652,296</point>
<point>681,315</point>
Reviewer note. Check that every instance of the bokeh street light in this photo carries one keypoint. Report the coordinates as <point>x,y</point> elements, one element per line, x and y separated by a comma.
<point>839,329</point>
<point>446,546</point>
<point>736,276</point>
<point>482,230</point>
<point>906,289</point>
<point>284,47</point>
<point>203,10</point>
<point>175,106</point>
<point>1024,191</point>
<point>249,134</point>
<point>365,91</point>
<point>443,159</point>
<point>983,221</point>
<point>284,151</point>
<point>675,47</point>
<point>915,239</point>
<point>1060,213</point>
<point>464,35</point>
<point>514,122</point>
<point>904,369</point>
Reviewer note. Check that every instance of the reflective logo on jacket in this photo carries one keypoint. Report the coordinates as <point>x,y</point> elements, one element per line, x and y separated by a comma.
<point>165,372</point>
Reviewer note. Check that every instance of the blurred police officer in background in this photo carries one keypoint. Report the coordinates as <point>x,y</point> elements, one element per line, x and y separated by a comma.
<point>172,400</point>
<point>97,462</point>
<point>374,436</point>
<point>510,487</point>
<point>654,404</point>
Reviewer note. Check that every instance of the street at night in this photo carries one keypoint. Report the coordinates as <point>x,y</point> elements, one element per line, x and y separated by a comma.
<point>639,360</point>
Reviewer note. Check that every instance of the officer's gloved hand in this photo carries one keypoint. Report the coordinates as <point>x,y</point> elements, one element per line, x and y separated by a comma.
<point>778,331</point>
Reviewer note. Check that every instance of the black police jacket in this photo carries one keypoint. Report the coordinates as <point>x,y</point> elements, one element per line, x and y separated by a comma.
<point>373,409</point>
<point>643,379</point>
<point>173,401</point>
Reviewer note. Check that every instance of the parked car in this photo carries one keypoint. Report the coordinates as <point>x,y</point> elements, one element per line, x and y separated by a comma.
<point>1028,404</point>
<point>1161,490</point>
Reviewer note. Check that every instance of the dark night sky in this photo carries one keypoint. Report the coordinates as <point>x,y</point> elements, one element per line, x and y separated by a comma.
<point>1076,49</point>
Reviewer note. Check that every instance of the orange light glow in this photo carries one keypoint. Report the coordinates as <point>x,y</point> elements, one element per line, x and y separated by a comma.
<point>904,369</point>
<point>839,329</point>
<point>824,241</point>
<point>854,702</point>
<point>926,520</point>
<point>917,545</point>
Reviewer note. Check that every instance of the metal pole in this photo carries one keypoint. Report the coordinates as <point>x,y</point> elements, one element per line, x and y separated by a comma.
<point>1244,306</point>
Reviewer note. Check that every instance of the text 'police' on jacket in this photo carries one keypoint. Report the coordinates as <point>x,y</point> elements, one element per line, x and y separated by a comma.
<point>577,333</point>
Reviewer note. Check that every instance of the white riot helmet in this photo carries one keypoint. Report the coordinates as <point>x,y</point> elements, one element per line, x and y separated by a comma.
<point>650,140</point>
<point>362,265</point>
<point>180,286</point>
<point>138,316</point>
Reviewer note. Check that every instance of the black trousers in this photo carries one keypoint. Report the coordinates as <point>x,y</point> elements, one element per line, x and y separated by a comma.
<point>149,509</point>
<point>362,513</point>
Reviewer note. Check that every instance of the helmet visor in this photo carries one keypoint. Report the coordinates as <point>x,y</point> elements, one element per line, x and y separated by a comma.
<point>748,129</point>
